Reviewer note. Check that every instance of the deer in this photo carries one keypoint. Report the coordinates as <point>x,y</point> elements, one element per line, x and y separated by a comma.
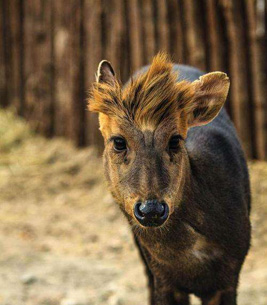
<point>174,165</point>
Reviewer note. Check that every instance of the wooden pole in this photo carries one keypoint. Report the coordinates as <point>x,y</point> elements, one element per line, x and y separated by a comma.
<point>38,65</point>
<point>239,94</point>
<point>258,82</point>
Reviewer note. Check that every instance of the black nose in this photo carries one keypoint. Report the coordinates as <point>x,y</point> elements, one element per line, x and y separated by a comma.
<point>151,213</point>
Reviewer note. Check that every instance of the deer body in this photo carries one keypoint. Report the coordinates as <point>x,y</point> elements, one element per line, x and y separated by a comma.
<point>194,235</point>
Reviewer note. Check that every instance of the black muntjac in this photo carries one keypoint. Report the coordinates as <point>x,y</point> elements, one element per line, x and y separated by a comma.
<point>175,167</point>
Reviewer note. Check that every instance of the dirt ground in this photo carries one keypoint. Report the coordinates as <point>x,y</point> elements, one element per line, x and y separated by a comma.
<point>63,240</point>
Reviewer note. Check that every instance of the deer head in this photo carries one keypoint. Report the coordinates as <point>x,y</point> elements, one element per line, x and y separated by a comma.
<point>144,126</point>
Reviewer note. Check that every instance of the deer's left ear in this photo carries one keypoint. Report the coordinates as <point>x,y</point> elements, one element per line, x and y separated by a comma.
<point>105,73</point>
<point>210,93</point>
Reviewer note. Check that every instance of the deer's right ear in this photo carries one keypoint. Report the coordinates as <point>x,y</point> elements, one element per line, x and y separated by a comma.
<point>105,73</point>
<point>105,94</point>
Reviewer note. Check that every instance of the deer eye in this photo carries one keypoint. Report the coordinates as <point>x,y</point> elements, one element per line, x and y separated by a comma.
<point>119,144</point>
<point>174,143</point>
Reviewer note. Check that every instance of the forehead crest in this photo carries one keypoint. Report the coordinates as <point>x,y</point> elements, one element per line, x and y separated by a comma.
<point>147,99</point>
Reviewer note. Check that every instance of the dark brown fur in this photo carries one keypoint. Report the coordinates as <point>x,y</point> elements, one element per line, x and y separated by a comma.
<point>201,247</point>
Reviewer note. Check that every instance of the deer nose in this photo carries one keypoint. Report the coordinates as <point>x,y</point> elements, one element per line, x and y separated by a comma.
<point>151,213</point>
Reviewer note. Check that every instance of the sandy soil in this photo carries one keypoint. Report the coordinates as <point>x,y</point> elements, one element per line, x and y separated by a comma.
<point>63,240</point>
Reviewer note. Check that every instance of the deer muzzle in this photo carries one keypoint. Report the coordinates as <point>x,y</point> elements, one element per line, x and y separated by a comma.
<point>151,213</point>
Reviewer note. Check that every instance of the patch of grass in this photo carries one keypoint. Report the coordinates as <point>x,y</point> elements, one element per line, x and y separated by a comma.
<point>34,165</point>
<point>13,131</point>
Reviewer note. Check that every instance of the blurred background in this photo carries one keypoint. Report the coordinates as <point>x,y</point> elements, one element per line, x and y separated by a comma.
<point>62,239</point>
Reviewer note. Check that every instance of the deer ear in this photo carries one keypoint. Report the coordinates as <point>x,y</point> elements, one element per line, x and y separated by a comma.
<point>210,93</point>
<point>105,73</point>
